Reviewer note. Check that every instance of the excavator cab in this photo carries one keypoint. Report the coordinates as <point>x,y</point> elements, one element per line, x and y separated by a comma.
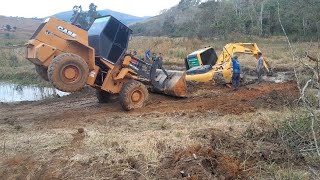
<point>200,62</point>
<point>205,56</point>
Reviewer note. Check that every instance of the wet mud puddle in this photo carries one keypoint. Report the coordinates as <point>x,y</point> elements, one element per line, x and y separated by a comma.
<point>10,92</point>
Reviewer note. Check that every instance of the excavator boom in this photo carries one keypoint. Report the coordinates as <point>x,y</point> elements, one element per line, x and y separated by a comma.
<point>203,66</point>
<point>242,48</point>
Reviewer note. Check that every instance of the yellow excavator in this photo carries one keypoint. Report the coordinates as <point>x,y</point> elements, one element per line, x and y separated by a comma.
<point>70,57</point>
<point>204,64</point>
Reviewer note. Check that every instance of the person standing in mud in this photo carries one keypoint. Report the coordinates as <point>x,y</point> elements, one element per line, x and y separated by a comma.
<point>260,67</point>
<point>236,73</point>
<point>154,56</point>
<point>148,56</point>
<point>134,54</point>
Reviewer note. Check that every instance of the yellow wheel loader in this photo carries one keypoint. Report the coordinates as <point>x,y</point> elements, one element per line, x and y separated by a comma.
<point>70,57</point>
<point>204,64</point>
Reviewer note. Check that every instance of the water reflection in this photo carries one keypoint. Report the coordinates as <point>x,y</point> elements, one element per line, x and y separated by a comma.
<point>279,77</point>
<point>14,93</point>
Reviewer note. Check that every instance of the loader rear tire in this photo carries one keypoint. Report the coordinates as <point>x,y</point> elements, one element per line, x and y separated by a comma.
<point>42,71</point>
<point>133,95</point>
<point>68,72</point>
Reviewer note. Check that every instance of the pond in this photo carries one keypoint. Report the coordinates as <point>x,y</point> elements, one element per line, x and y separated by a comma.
<point>10,92</point>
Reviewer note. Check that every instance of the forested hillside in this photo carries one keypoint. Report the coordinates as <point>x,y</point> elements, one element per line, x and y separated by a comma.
<point>124,18</point>
<point>301,19</point>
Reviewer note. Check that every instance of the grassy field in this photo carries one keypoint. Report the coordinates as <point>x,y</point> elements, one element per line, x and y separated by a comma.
<point>15,67</point>
<point>270,139</point>
<point>275,49</point>
<point>259,132</point>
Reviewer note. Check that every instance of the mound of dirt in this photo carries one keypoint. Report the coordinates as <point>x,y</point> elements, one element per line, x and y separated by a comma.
<point>206,96</point>
<point>199,162</point>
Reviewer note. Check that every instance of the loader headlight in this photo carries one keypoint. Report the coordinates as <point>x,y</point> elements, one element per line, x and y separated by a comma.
<point>92,74</point>
<point>45,21</point>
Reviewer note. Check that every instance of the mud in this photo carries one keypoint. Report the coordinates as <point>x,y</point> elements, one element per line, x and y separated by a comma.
<point>199,162</point>
<point>210,97</point>
<point>74,137</point>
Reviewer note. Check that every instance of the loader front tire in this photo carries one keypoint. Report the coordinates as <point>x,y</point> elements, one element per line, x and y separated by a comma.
<point>133,95</point>
<point>68,72</point>
<point>42,71</point>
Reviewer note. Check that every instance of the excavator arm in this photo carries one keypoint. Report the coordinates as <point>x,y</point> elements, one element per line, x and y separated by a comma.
<point>223,63</point>
<point>241,48</point>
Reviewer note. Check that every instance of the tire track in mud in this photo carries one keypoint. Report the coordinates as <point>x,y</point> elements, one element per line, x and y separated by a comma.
<point>205,97</point>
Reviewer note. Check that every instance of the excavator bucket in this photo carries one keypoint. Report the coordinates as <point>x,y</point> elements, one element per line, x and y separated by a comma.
<point>170,82</point>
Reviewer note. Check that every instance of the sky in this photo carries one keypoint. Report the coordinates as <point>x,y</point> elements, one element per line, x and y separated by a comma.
<point>44,8</point>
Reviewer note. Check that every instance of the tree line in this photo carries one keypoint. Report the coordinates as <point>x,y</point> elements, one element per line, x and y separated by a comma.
<point>301,18</point>
<point>8,27</point>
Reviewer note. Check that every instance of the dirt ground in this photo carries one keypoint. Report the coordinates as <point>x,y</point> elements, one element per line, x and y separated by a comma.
<point>204,136</point>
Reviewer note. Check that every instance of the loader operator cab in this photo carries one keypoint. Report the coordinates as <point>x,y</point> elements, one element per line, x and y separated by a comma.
<point>109,37</point>
<point>201,61</point>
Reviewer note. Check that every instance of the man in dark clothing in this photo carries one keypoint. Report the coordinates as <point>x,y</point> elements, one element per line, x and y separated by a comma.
<point>260,67</point>
<point>154,56</point>
<point>236,73</point>
<point>134,54</point>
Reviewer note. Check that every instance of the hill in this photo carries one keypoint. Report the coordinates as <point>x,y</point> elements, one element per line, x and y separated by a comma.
<point>191,18</point>
<point>24,27</point>
<point>178,21</point>
<point>174,22</point>
<point>124,18</point>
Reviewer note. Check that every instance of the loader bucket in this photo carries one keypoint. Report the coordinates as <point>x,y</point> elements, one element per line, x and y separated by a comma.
<point>173,85</point>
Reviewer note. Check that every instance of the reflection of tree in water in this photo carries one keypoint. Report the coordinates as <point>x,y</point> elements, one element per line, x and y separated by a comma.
<point>6,93</point>
<point>19,89</point>
<point>55,93</point>
<point>14,92</point>
<point>33,92</point>
<point>42,92</point>
<point>45,92</point>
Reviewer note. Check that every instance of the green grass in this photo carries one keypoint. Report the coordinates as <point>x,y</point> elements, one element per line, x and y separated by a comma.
<point>21,75</point>
<point>14,67</point>
<point>285,173</point>
<point>280,136</point>
<point>174,50</point>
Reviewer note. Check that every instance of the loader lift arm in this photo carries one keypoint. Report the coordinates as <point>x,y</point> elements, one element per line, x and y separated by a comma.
<point>163,81</point>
